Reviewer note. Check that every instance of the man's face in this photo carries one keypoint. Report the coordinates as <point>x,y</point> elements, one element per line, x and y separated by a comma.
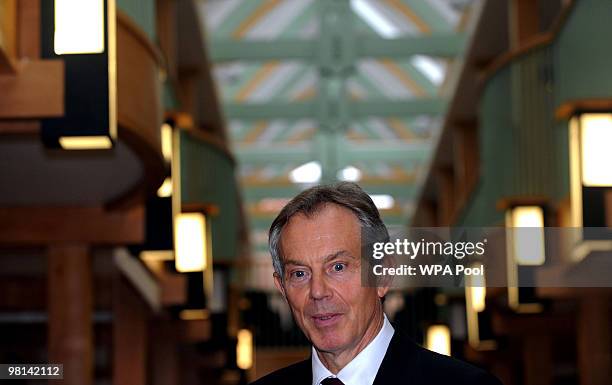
<point>322,280</point>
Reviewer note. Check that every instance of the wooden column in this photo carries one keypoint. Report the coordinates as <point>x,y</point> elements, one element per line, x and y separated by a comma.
<point>446,195</point>
<point>129,335</point>
<point>594,350</point>
<point>69,305</point>
<point>164,353</point>
<point>537,360</point>
<point>466,157</point>
<point>608,207</point>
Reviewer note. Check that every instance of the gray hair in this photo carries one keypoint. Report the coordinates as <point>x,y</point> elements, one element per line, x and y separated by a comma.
<point>309,202</point>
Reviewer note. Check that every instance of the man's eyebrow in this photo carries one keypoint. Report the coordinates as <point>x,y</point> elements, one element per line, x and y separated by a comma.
<point>340,253</point>
<point>328,258</point>
<point>293,262</point>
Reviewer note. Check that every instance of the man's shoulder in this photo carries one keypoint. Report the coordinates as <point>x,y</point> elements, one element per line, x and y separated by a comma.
<point>436,367</point>
<point>300,372</point>
<point>427,367</point>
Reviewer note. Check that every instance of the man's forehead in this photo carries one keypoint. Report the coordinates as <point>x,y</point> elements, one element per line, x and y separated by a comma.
<point>330,213</point>
<point>320,239</point>
<point>325,232</point>
<point>329,224</point>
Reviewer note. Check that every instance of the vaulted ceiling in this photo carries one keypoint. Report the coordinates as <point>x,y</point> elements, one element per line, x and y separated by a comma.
<point>347,89</point>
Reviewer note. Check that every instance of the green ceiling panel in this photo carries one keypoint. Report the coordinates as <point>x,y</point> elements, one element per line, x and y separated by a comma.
<point>254,193</point>
<point>236,17</point>
<point>297,26</point>
<point>443,45</point>
<point>359,109</point>
<point>429,15</point>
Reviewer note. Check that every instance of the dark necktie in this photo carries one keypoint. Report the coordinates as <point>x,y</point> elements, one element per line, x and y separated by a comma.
<point>331,381</point>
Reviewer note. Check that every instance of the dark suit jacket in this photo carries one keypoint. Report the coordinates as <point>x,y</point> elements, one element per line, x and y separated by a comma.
<point>405,363</point>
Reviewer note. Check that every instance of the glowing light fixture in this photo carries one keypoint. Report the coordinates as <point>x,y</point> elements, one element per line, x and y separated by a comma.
<point>156,255</point>
<point>244,349</point>
<point>475,304</point>
<point>83,34</point>
<point>428,66</point>
<point>85,142</point>
<point>190,248</point>
<point>439,339</point>
<point>79,27</point>
<point>525,251</point>
<point>350,174</point>
<point>385,28</point>
<point>307,173</point>
<point>193,314</point>
<point>165,190</point>
<point>374,18</point>
<point>166,141</point>
<point>476,293</point>
<point>383,202</point>
<point>596,157</point>
<point>527,223</point>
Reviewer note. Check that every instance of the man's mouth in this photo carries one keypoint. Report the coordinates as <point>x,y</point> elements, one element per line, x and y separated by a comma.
<point>326,319</point>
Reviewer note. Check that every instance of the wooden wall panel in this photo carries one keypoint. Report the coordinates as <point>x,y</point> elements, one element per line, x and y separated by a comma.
<point>43,225</point>
<point>8,35</point>
<point>36,91</point>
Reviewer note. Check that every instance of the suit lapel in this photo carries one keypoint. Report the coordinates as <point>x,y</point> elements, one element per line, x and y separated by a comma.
<point>400,364</point>
<point>305,377</point>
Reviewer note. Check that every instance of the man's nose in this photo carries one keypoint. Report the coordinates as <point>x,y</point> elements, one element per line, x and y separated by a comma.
<point>319,287</point>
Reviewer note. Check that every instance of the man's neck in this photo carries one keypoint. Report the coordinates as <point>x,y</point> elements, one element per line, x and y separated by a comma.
<point>335,361</point>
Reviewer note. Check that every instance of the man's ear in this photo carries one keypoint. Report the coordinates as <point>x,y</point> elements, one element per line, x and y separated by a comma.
<point>278,282</point>
<point>382,291</point>
<point>383,284</point>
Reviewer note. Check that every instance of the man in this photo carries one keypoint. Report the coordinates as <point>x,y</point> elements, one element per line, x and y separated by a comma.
<point>315,244</point>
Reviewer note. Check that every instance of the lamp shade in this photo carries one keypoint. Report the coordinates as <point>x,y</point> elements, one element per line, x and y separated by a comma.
<point>595,154</point>
<point>82,34</point>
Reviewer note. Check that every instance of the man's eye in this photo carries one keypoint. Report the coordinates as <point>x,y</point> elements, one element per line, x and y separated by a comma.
<point>339,266</point>
<point>298,274</point>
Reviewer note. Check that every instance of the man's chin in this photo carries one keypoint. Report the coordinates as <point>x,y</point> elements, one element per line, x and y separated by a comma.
<point>328,345</point>
<point>329,339</point>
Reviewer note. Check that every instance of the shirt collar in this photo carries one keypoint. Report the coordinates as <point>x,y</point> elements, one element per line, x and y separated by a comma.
<point>362,369</point>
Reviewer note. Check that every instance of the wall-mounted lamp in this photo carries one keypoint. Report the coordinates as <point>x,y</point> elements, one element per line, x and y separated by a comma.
<point>476,293</point>
<point>190,242</point>
<point>478,321</point>
<point>525,251</point>
<point>244,349</point>
<point>595,154</point>
<point>85,142</point>
<point>82,34</point>
<point>165,190</point>
<point>590,135</point>
<point>526,235</point>
<point>438,339</point>
<point>79,27</point>
<point>166,141</point>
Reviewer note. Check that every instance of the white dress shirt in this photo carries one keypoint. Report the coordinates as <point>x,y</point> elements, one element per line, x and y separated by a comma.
<point>363,368</point>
